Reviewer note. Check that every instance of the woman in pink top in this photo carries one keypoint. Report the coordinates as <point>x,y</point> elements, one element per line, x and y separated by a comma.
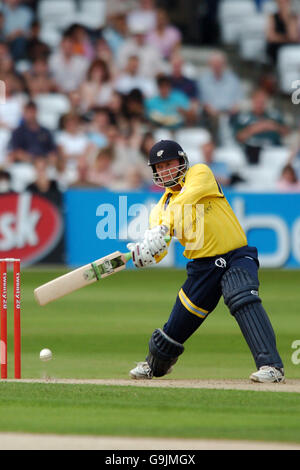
<point>165,37</point>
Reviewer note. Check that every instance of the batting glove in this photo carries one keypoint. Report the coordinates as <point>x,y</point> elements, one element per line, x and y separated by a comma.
<point>143,253</point>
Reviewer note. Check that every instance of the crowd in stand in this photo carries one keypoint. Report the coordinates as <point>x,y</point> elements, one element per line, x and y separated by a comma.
<point>86,113</point>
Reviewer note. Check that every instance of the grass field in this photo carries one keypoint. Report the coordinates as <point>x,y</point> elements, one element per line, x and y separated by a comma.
<point>100,332</point>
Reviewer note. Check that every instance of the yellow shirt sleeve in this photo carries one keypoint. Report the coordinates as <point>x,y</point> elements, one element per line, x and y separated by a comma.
<point>200,183</point>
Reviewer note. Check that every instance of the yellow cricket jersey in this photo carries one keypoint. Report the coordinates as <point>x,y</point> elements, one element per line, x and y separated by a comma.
<point>199,216</point>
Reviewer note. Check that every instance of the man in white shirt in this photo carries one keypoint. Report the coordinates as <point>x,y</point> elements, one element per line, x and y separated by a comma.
<point>130,79</point>
<point>67,68</point>
<point>220,91</point>
<point>151,62</point>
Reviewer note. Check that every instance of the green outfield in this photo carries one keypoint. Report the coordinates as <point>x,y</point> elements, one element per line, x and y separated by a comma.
<point>100,331</point>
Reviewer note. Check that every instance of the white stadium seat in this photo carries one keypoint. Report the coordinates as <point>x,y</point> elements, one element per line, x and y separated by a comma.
<point>259,178</point>
<point>231,16</point>
<point>4,140</point>
<point>22,174</point>
<point>56,12</point>
<point>50,35</point>
<point>233,156</point>
<point>252,43</point>
<point>192,137</point>
<point>92,13</point>
<point>162,134</point>
<point>288,67</point>
<point>50,108</point>
<point>274,158</point>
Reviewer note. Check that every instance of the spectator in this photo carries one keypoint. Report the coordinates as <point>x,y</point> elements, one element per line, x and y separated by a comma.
<point>6,61</point>
<point>73,145</point>
<point>36,49</point>
<point>82,44</point>
<point>67,68</point>
<point>288,181</point>
<point>97,89</point>
<point>260,127</point>
<point>99,128</point>
<point>166,38</point>
<point>11,111</point>
<point>17,22</point>
<point>150,59</point>
<point>134,107</point>
<point>128,157</point>
<point>170,108</point>
<point>144,14</point>
<point>115,32</point>
<point>221,170</point>
<point>104,52</point>
<point>43,184</point>
<point>101,171</point>
<point>220,92</point>
<point>5,182</point>
<point>30,140</point>
<point>282,29</point>
<point>184,84</point>
<point>38,78</point>
<point>130,79</point>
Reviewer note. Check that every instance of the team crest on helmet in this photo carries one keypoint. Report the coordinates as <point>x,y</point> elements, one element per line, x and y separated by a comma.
<point>160,153</point>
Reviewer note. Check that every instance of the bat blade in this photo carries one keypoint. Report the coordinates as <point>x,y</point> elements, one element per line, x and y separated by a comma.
<point>81,277</point>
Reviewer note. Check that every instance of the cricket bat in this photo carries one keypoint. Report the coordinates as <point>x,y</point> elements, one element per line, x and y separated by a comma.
<point>81,277</point>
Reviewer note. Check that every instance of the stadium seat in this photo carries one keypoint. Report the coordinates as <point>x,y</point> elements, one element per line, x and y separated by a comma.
<point>50,109</point>
<point>50,35</point>
<point>162,134</point>
<point>233,156</point>
<point>56,12</point>
<point>288,67</point>
<point>274,157</point>
<point>194,155</point>
<point>4,139</point>
<point>92,13</point>
<point>260,178</point>
<point>252,44</point>
<point>22,174</point>
<point>192,137</point>
<point>231,16</point>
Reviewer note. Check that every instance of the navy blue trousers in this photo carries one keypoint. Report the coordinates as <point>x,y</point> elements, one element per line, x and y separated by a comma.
<point>201,292</point>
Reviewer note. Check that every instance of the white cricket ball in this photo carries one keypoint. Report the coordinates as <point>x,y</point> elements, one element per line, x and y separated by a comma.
<point>46,355</point>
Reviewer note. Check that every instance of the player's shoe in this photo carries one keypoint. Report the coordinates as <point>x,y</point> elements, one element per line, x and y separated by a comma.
<point>141,371</point>
<point>268,374</point>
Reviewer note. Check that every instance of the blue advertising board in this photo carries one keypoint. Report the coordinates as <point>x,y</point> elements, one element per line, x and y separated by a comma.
<point>100,222</point>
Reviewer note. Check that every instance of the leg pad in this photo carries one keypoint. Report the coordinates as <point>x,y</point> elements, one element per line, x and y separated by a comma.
<point>163,353</point>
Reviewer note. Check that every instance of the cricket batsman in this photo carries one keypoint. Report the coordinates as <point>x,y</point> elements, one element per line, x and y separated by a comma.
<point>194,209</point>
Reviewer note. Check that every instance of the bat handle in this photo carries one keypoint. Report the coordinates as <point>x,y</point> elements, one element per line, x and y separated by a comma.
<point>128,256</point>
